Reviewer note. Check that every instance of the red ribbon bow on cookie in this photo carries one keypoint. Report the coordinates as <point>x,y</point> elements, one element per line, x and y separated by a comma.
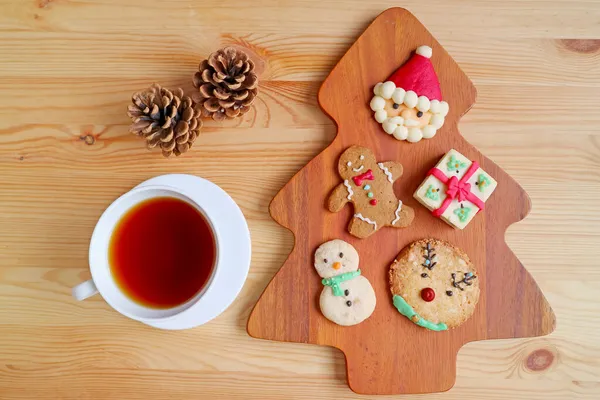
<point>457,189</point>
<point>358,179</point>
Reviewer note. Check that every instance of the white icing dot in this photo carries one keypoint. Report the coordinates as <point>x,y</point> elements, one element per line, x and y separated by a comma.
<point>362,157</point>
<point>387,89</point>
<point>414,135</point>
<point>401,133</point>
<point>398,95</point>
<point>444,108</point>
<point>389,127</point>
<point>377,103</point>
<point>423,104</point>
<point>429,131</point>
<point>434,106</point>
<point>349,163</point>
<point>411,99</point>
<point>437,121</point>
<point>380,116</point>
<point>376,89</point>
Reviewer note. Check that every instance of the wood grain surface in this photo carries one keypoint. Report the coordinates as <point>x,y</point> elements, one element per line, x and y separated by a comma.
<point>67,70</point>
<point>387,354</point>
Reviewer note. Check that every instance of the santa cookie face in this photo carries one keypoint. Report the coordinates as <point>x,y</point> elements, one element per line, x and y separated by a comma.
<point>347,297</point>
<point>409,104</point>
<point>434,284</point>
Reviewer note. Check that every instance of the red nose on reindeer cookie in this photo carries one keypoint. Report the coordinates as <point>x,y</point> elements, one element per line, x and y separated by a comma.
<point>409,104</point>
<point>368,185</point>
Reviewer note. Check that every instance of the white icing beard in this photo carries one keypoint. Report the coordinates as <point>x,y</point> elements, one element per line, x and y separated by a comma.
<point>396,125</point>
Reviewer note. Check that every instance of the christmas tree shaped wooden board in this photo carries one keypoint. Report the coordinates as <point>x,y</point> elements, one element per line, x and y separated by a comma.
<point>387,353</point>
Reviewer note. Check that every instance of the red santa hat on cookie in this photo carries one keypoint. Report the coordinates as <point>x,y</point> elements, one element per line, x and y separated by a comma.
<point>418,75</point>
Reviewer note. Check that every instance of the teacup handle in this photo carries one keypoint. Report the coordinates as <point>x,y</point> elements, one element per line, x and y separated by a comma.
<point>84,290</point>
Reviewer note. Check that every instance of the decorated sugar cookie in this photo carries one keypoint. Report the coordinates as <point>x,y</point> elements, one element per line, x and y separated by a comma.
<point>434,284</point>
<point>368,185</point>
<point>456,189</point>
<point>347,297</point>
<point>409,104</point>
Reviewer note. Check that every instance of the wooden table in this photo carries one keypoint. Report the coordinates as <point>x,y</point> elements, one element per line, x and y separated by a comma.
<point>67,70</point>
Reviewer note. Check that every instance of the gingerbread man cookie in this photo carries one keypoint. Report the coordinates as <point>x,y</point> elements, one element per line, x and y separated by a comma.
<point>368,185</point>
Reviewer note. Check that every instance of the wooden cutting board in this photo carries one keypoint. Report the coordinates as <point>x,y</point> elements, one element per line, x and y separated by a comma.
<point>387,354</point>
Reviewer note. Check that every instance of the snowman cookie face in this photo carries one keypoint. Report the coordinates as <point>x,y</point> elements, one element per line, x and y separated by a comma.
<point>335,257</point>
<point>434,284</point>
<point>347,297</point>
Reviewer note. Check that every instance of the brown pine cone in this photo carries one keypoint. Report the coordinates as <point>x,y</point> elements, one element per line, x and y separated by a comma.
<point>227,84</point>
<point>165,119</point>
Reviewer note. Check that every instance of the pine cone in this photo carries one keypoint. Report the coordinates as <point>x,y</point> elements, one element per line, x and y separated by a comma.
<point>166,119</point>
<point>227,84</point>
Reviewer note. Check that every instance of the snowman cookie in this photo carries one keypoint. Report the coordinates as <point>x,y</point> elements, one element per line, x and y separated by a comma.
<point>434,284</point>
<point>368,185</point>
<point>347,297</point>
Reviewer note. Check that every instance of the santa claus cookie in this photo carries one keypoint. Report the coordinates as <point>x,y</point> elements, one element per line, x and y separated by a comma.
<point>348,297</point>
<point>434,284</point>
<point>368,185</point>
<point>409,104</point>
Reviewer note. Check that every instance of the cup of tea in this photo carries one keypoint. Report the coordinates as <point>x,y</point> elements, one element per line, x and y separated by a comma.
<point>157,252</point>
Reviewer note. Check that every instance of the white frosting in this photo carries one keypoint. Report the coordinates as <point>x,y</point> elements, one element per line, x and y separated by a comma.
<point>436,121</point>
<point>349,163</point>
<point>414,135</point>
<point>396,120</point>
<point>411,99</point>
<point>386,172</point>
<point>358,169</point>
<point>349,189</point>
<point>401,133</point>
<point>361,157</point>
<point>380,115</point>
<point>398,95</point>
<point>444,108</point>
<point>387,89</point>
<point>424,51</point>
<point>389,127</point>
<point>367,220</point>
<point>411,122</point>
<point>397,212</point>
<point>376,89</point>
<point>423,104</point>
<point>428,132</point>
<point>377,103</point>
<point>434,106</point>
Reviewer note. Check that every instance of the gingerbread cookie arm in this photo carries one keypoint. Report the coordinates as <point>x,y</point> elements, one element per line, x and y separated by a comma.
<point>392,170</point>
<point>341,195</point>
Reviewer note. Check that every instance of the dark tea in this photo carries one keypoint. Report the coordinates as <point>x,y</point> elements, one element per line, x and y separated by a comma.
<point>162,252</point>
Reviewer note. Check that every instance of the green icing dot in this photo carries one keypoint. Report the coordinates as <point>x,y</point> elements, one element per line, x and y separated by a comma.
<point>482,182</point>
<point>462,213</point>
<point>432,193</point>
<point>455,164</point>
<point>370,194</point>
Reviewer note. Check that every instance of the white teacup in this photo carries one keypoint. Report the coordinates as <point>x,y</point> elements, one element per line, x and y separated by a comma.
<point>102,280</point>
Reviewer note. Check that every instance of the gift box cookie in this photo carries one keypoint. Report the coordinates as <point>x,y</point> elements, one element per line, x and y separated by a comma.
<point>456,189</point>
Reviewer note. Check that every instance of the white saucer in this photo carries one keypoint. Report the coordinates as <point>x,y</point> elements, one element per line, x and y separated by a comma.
<point>234,243</point>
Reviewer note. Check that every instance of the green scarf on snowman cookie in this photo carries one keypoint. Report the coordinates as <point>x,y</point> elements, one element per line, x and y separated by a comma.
<point>334,281</point>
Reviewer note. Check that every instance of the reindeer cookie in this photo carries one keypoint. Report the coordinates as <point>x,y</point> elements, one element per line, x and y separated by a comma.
<point>434,284</point>
<point>368,185</point>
